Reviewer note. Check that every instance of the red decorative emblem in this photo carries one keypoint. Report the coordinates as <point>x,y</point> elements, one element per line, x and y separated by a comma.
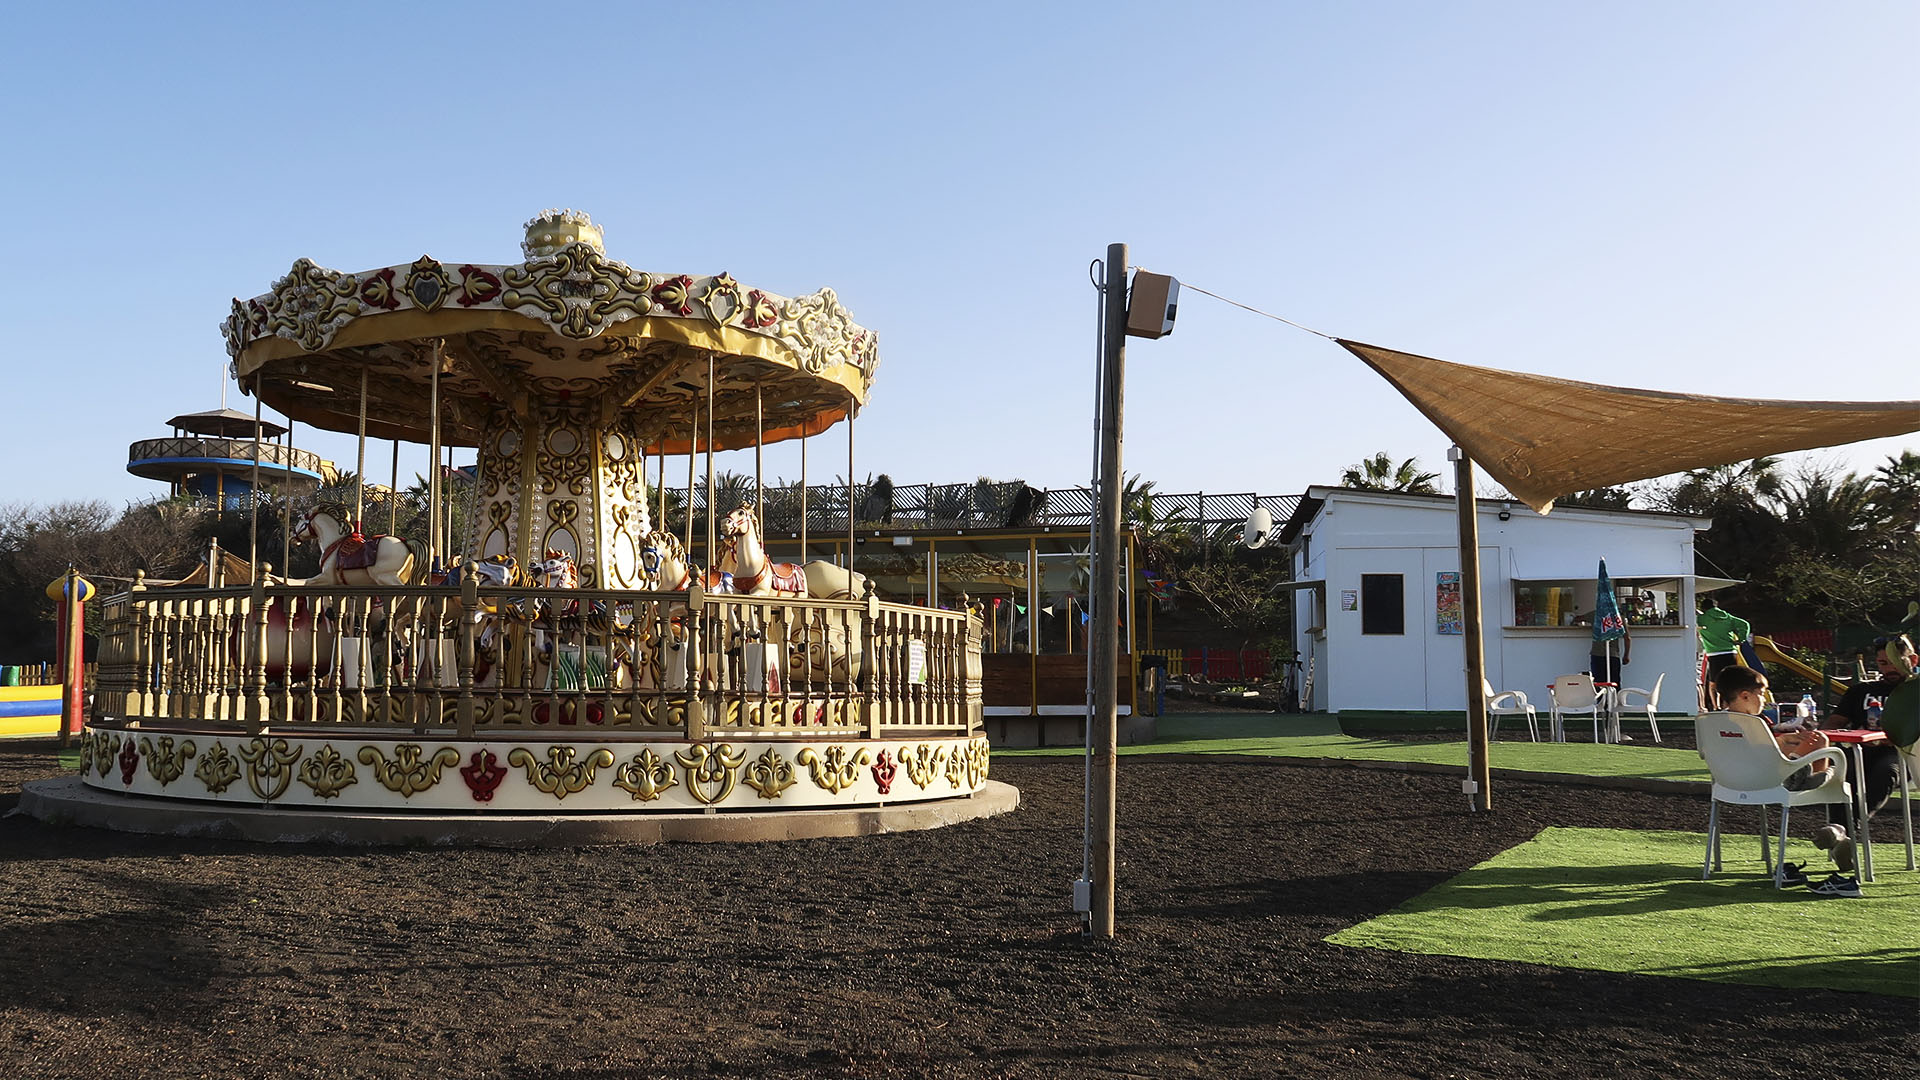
<point>129,760</point>
<point>674,295</point>
<point>883,770</point>
<point>760,311</point>
<point>477,286</point>
<point>378,291</point>
<point>483,776</point>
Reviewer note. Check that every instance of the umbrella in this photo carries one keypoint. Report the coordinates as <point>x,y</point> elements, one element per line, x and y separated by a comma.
<point>1608,627</point>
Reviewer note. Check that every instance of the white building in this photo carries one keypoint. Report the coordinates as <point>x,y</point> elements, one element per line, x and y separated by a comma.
<point>1376,617</point>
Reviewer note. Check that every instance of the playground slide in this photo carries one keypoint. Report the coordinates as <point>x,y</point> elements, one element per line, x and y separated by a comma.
<point>1772,654</point>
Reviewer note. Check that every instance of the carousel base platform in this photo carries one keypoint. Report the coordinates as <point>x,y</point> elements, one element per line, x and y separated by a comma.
<point>68,801</point>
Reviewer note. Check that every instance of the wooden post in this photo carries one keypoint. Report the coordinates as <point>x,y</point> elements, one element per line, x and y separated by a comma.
<point>1479,774</point>
<point>696,724</point>
<point>869,650</point>
<point>1103,724</point>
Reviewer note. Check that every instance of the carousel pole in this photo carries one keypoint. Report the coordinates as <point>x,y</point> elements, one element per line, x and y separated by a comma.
<point>713,537</point>
<point>253,503</point>
<point>759,438</point>
<point>447,498</point>
<point>360,469</point>
<point>693,455</point>
<point>393,492</point>
<point>286,512</point>
<point>803,496</point>
<point>850,406</point>
<point>434,543</point>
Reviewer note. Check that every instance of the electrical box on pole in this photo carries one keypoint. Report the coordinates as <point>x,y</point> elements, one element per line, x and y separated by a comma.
<point>1151,308</point>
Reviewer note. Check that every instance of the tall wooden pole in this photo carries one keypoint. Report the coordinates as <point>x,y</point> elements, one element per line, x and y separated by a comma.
<point>1479,775</point>
<point>1103,726</point>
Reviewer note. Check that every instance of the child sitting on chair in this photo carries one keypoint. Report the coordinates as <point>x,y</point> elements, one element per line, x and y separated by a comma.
<point>1744,690</point>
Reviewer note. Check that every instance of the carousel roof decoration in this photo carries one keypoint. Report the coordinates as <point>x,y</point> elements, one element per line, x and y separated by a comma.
<point>566,323</point>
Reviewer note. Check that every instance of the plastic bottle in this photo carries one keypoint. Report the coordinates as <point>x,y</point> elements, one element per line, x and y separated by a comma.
<point>1807,708</point>
<point>1873,712</point>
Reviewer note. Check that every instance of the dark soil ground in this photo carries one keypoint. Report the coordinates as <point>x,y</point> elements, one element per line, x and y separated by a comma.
<point>949,953</point>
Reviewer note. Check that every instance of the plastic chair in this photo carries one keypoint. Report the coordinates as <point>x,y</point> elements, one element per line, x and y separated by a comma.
<point>1575,693</point>
<point>1652,703</point>
<point>1509,703</point>
<point>1749,770</point>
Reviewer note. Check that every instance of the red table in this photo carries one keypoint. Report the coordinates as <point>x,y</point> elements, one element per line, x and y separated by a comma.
<point>1854,739</point>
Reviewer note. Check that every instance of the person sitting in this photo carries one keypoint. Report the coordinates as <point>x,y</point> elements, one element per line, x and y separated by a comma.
<point>1744,690</point>
<point>1879,762</point>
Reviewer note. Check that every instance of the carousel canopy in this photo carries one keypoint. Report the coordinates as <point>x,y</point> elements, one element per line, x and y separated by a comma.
<point>566,325</point>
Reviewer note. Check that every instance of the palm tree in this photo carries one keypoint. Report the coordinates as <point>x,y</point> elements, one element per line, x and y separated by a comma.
<point>1722,487</point>
<point>1838,516</point>
<point>1898,490</point>
<point>1378,473</point>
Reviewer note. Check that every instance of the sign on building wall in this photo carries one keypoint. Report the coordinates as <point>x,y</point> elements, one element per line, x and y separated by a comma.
<point>1349,599</point>
<point>1447,618</point>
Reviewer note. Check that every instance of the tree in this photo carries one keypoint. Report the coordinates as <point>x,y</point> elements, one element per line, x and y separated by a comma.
<point>1605,498</point>
<point>1897,490</point>
<point>1378,473</point>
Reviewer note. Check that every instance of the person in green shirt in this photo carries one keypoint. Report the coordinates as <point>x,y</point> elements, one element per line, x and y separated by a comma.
<point>1720,636</point>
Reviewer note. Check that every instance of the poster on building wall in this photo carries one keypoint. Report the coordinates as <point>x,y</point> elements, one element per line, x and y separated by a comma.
<point>1447,618</point>
<point>1349,599</point>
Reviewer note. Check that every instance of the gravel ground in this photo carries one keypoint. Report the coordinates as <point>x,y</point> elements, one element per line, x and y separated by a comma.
<point>948,953</point>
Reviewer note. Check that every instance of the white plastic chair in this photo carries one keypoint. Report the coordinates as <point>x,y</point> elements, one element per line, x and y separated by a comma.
<point>1651,702</point>
<point>1749,770</point>
<point>1575,693</point>
<point>1509,703</point>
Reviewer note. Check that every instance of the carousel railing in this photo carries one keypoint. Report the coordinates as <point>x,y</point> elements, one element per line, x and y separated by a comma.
<point>472,659</point>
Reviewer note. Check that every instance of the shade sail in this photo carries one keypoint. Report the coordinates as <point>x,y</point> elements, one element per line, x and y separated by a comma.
<point>1542,438</point>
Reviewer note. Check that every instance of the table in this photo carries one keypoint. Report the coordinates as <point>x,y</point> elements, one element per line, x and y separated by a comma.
<point>1854,739</point>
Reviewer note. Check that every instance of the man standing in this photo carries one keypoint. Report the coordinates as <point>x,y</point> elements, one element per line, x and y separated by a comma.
<point>1720,638</point>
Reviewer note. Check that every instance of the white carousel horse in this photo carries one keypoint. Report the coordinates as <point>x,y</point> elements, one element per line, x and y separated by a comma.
<point>377,560</point>
<point>591,619</point>
<point>827,646</point>
<point>745,558</point>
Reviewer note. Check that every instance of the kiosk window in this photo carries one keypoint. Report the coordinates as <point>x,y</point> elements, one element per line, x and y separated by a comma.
<point>1383,607</point>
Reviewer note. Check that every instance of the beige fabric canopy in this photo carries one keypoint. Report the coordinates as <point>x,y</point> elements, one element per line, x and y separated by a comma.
<point>1542,438</point>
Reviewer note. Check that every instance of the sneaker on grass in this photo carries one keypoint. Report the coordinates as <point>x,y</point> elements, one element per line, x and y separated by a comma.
<point>1793,874</point>
<point>1836,885</point>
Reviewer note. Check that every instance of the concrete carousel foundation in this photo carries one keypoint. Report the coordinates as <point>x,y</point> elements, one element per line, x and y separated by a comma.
<point>69,801</point>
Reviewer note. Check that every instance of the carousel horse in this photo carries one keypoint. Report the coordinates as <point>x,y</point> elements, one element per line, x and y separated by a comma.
<point>568,624</point>
<point>745,558</point>
<point>496,619</point>
<point>827,645</point>
<point>347,558</point>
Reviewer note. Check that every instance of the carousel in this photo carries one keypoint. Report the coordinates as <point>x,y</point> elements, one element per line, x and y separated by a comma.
<point>566,655</point>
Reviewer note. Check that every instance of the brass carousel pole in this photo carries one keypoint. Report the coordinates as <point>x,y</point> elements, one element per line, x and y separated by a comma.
<point>286,512</point>
<point>803,496</point>
<point>693,455</point>
<point>253,516</point>
<point>360,469</point>
<point>713,537</point>
<point>393,493</point>
<point>850,407</point>
<point>759,437</point>
<point>434,543</point>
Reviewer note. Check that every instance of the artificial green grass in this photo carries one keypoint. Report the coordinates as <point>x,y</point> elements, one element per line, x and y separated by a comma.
<point>1317,735</point>
<point>1617,900</point>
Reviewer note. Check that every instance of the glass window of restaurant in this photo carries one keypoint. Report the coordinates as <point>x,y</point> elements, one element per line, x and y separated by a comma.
<point>1570,601</point>
<point>997,575</point>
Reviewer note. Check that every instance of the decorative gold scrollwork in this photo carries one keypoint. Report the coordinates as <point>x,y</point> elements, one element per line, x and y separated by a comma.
<point>956,766</point>
<point>922,763</point>
<point>217,770</point>
<point>327,773</point>
<point>164,763</point>
<point>269,760</point>
<point>104,747</point>
<point>407,774</point>
<point>979,756</point>
<point>645,777</point>
<point>559,775</point>
<point>712,770</point>
<point>770,774</point>
<point>837,769</point>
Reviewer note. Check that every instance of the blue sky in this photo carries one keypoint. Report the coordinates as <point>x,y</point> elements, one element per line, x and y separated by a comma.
<point>1704,197</point>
